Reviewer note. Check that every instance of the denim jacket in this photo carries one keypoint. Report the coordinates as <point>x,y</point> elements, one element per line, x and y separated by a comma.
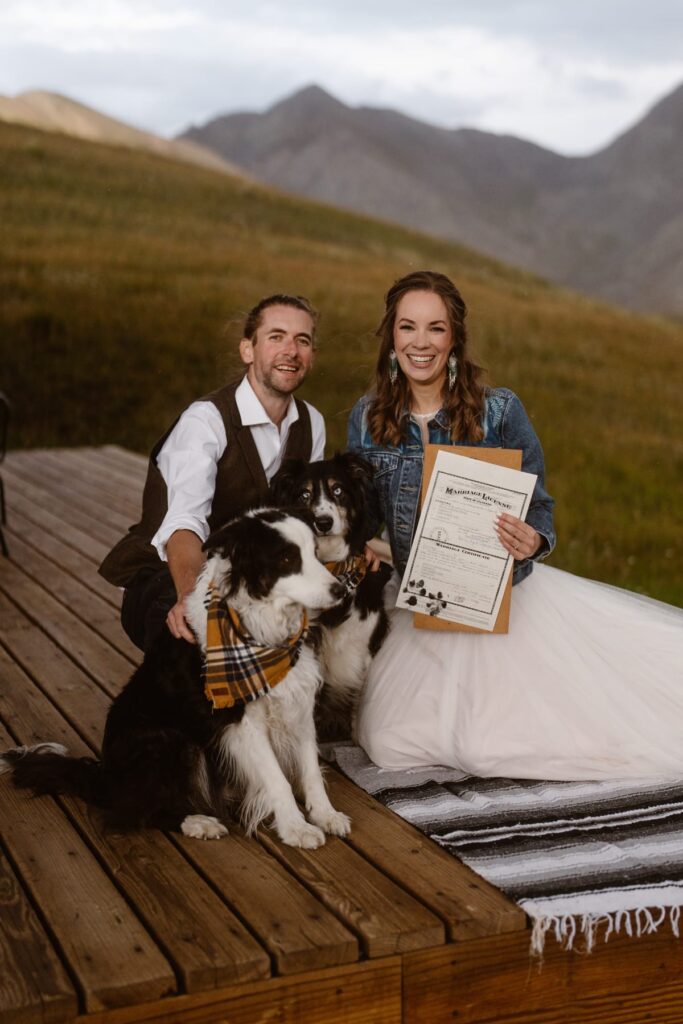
<point>398,470</point>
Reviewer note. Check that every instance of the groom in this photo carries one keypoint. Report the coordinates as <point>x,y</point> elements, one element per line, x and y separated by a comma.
<point>215,462</point>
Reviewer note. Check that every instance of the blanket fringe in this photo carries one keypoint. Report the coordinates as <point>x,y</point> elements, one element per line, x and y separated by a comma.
<point>568,928</point>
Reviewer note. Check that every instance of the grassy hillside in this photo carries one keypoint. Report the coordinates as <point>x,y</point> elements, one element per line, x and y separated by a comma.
<point>120,271</point>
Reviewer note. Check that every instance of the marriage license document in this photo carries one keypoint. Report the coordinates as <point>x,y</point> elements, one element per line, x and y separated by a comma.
<point>457,568</point>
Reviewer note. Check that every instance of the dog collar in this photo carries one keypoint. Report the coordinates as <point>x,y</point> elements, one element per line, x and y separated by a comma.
<point>350,571</point>
<point>238,669</point>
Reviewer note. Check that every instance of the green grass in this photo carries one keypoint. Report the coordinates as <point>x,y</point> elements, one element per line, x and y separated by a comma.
<point>123,278</point>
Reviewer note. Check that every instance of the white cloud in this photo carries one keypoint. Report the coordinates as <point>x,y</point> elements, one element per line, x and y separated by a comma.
<point>106,26</point>
<point>537,70</point>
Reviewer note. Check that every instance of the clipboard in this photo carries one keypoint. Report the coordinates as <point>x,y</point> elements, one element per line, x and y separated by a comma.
<point>512,459</point>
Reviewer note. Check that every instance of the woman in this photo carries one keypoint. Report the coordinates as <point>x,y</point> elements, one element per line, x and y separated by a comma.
<point>588,682</point>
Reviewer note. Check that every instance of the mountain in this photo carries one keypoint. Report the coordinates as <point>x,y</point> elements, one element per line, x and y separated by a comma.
<point>610,223</point>
<point>621,210</point>
<point>50,111</point>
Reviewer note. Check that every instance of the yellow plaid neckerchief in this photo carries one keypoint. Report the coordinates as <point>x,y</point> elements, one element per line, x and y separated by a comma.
<point>350,571</point>
<point>237,669</point>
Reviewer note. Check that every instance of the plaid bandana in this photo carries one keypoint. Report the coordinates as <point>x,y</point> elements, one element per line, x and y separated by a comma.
<point>237,669</point>
<point>351,572</point>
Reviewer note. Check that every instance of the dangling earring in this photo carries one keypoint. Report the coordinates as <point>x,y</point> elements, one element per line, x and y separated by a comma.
<point>452,371</point>
<point>393,367</point>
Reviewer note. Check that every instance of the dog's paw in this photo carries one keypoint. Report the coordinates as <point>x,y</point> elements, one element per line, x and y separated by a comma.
<point>202,826</point>
<point>308,837</point>
<point>335,823</point>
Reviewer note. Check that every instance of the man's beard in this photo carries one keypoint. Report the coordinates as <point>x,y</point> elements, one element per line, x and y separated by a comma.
<point>273,381</point>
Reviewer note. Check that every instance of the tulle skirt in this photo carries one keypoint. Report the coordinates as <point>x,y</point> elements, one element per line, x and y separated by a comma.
<point>587,684</point>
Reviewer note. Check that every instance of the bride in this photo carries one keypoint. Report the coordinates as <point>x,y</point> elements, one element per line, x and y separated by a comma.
<point>588,682</point>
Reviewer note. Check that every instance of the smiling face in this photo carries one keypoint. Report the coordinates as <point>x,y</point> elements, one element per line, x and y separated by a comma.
<point>281,352</point>
<point>423,338</point>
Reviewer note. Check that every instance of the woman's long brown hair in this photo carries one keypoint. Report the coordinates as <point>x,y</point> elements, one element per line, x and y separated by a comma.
<point>464,405</point>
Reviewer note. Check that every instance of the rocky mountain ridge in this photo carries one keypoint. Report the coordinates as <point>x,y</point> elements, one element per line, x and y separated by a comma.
<point>610,224</point>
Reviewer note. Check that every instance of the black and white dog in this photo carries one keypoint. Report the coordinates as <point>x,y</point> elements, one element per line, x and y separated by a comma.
<point>339,494</point>
<point>168,753</point>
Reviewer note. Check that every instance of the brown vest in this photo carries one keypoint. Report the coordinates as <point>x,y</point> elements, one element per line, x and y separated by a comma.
<point>241,484</point>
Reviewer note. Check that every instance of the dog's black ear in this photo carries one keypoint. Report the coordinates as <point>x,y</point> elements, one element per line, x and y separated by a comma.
<point>283,484</point>
<point>224,540</point>
<point>368,515</point>
<point>359,468</point>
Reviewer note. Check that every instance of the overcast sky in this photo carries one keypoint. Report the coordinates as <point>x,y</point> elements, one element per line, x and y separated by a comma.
<point>570,76</point>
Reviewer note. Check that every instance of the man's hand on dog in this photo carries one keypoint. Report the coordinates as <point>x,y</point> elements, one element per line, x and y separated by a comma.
<point>185,562</point>
<point>177,623</point>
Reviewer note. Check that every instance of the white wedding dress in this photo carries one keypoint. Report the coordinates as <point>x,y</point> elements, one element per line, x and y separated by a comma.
<point>587,684</point>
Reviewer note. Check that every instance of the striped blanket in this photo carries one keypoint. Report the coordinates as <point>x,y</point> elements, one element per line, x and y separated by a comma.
<point>573,855</point>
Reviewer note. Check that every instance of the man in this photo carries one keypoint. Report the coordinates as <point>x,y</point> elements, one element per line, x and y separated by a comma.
<point>215,462</point>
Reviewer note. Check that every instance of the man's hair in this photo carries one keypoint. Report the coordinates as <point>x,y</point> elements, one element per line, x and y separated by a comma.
<point>255,315</point>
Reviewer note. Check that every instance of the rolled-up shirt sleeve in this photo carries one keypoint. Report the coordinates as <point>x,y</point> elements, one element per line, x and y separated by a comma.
<point>188,462</point>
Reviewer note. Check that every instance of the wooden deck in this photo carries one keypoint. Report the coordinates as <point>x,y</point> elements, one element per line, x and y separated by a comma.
<point>379,928</point>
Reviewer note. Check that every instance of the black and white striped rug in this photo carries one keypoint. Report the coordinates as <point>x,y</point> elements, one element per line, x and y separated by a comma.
<point>571,854</point>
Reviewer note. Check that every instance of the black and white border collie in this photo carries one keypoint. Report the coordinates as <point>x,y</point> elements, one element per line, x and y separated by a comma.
<point>340,495</point>
<point>169,760</point>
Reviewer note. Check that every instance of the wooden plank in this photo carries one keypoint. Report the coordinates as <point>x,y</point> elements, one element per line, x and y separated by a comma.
<point>34,512</point>
<point>83,704</point>
<point>126,458</point>
<point>33,983</point>
<point>208,944</point>
<point>52,473</point>
<point>129,469</point>
<point>55,479</point>
<point>60,554</point>
<point>365,993</point>
<point>295,927</point>
<point>88,650</point>
<point>29,714</point>
<point>68,511</point>
<point>386,918</point>
<point>656,1006</point>
<point>479,980</point>
<point>468,905</point>
<point>661,1005</point>
<point>496,978</point>
<point>87,476</point>
<point>112,956</point>
<point>95,464</point>
<point>95,613</point>
<point>206,941</point>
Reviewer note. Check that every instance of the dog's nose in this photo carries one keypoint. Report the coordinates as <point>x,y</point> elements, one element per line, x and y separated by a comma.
<point>323,524</point>
<point>338,591</point>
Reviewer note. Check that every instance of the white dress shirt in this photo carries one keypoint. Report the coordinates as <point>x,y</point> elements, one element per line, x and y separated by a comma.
<point>190,454</point>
